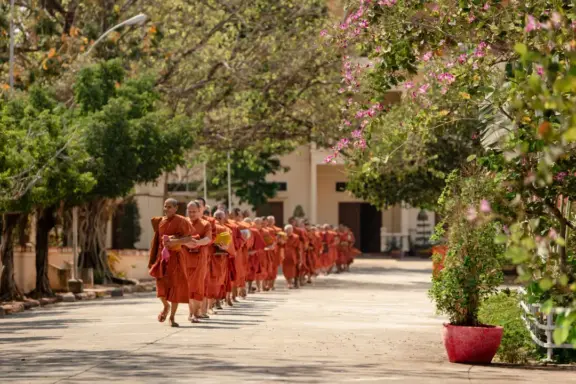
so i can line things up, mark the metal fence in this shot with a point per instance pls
(541, 326)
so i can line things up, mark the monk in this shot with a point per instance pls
(302, 247)
(353, 252)
(277, 253)
(171, 286)
(342, 259)
(291, 256)
(220, 262)
(194, 251)
(206, 212)
(305, 270)
(255, 255)
(264, 256)
(238, 280)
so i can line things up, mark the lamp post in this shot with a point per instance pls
(229, 184)
(136, 20)
(75, 285)
(205, 183)
(11, 70)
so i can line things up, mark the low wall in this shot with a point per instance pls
(132, 263)
(25, 266)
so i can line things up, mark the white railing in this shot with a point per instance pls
(388, 239)
(540, 324)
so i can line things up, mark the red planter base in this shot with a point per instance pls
(472, 345)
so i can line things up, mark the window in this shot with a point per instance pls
(282, 186)
(341, 187)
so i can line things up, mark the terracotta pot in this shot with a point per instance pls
(473, 345)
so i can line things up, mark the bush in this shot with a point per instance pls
(503, 309)
(472, 267)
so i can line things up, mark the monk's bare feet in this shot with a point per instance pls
(194, 319)
(162, 316)
(173, 323)
(218, 305)
(229, 302)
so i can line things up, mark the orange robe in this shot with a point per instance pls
(291, 251)
(195, 260)
(235, 266)
(318, 247)
(277, 254)
(241, 260)
(170, 277)
(343, 249)
(301, 233)
(265, 256)
(333, 247)
(218, 266)
(258, 245)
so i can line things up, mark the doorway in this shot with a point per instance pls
(272, 208)
(365, 221)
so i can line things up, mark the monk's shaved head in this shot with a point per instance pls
(220, 215)
(172, 202)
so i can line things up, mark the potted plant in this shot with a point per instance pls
(471, 268)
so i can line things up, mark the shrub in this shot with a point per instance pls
(472, 267)
(503, 309)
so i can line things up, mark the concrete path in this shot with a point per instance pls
(375, 324)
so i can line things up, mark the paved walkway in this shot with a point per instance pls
(373, 325)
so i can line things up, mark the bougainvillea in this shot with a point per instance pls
(497, 80)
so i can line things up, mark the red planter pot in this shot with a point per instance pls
(473, 345)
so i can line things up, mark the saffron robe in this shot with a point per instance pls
(170, 277)
(291, 251)
(196, 260)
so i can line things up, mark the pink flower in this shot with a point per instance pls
(462, 58)
(553, 234)
(444, 90)
(323, 33)
(427, 56)
(341, 90)
(408, 85)
(486, 6)
(540, 70)
(348, 123)
(387, 3)
(556, 19)
(424, 88)
(472, 214)
(531, 24)
(471, 18)
(378, 49)
(361, 144)
(485, 206)
(357, 134)
(364, 123)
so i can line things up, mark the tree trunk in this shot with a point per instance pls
(44, 224)
(93, 220)
(23, 235)
(9, 291)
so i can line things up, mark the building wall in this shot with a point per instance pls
(150, 199)
(328, 198)
(297, 180)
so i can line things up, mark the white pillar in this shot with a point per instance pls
(313, 191)
(405, 226)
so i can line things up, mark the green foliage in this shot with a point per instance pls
(129, 139)
(503, 309)
(472, 267)
(299, 212)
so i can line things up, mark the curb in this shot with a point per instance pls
(11, 308)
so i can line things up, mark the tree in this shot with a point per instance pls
(130, 140)
(38, 153)
(506, 65)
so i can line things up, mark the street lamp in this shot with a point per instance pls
(136, 20)
(229, 184)
(11, 70)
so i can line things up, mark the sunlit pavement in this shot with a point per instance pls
(375, 324)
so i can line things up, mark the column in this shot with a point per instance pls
(405, 226)
(313, 191)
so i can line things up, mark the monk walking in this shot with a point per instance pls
(165, 264)
(291, 256)
(222, 261)
(277, 253)
(194, 251)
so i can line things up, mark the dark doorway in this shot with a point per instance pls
(365, 221)
(274, 208)
(182, 209)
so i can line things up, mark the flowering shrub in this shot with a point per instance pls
(497, 81)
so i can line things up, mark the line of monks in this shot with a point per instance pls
(204, 260)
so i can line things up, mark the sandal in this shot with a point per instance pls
(163, 315)
(174, 324)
